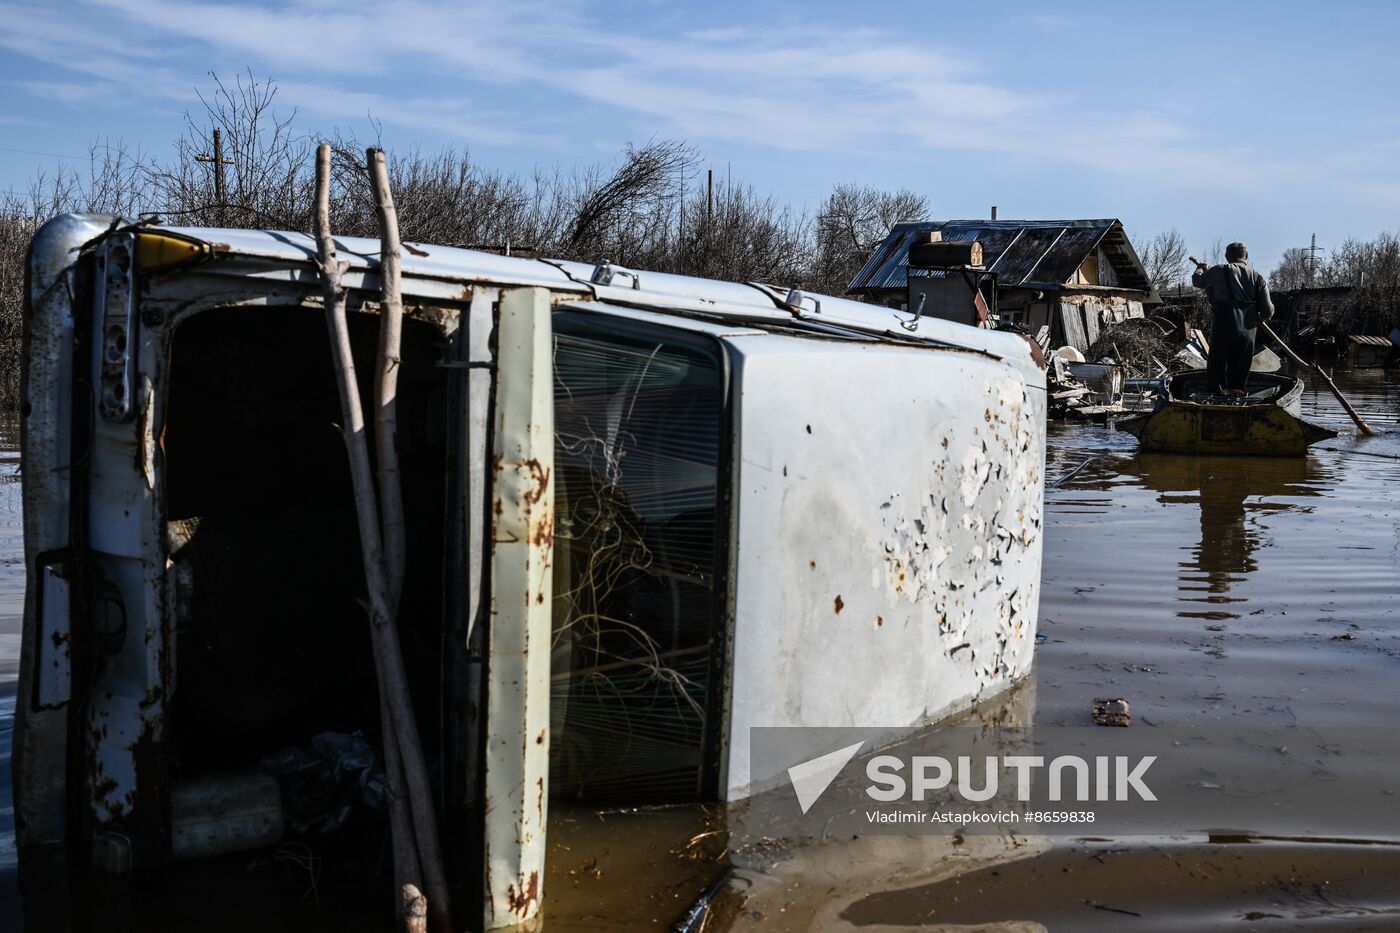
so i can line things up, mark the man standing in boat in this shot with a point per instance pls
(1239, 300)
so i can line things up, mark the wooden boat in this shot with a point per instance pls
(1192, 418)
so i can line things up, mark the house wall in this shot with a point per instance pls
(1097, 269)
(1080, 319)
(1074, 320)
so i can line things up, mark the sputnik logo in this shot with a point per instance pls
(810, 779)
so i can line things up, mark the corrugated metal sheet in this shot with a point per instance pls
(1023, 253)
(1369, 340)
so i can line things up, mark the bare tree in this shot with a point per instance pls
(1293, 271)
(852, 222)
(1164, 258)
(267, 182)
(743, 236)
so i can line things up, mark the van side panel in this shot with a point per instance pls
(888, 525)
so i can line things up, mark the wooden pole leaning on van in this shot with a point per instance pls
(391, 511)
(1362, 426)
(408, 867)
(408, 781)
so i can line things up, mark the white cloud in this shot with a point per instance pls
(446, 67)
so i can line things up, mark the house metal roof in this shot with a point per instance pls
(1022, 253)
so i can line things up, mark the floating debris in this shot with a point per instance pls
(1111, 712)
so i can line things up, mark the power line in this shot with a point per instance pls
(56, 155)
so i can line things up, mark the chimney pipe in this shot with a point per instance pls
(994, 212)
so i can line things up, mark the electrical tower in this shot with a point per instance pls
(1312, 260)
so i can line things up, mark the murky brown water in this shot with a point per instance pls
(1239, 591)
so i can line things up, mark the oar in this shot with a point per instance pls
(1363, 426)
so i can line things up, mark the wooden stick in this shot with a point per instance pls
(391, 511)
(407, 865)
(408, 871)
(1362, 426)
(414, 910)
(391, 515)
(393, 681)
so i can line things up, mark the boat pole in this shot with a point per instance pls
(1361, 425)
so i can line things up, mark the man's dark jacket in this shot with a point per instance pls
(1239, 300)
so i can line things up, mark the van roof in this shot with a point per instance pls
(751, 304)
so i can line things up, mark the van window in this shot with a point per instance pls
(637, 574)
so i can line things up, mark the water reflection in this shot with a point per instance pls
(1231, 492)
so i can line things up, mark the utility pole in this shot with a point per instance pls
(709, 198)
(219, 162)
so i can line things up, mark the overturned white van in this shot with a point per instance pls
(748, 506)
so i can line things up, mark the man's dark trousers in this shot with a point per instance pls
(1231, 352)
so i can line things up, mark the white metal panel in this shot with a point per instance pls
(54, 668)
(431, 261)
(480, 319)
(887, 536)
(756, 302)
(522, 543)
(666, 289)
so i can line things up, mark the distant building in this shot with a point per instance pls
(1368, 350)
(1305, 313)
(1071, 276)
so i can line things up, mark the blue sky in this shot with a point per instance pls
(1264, 122)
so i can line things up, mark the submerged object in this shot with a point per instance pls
(1190, 418)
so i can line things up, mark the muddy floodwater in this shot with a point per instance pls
(1234, 591)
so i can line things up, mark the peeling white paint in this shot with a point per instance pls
(940, 492)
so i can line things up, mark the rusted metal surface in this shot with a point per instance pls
(518, 642)
(126, 535)
(41, 742)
